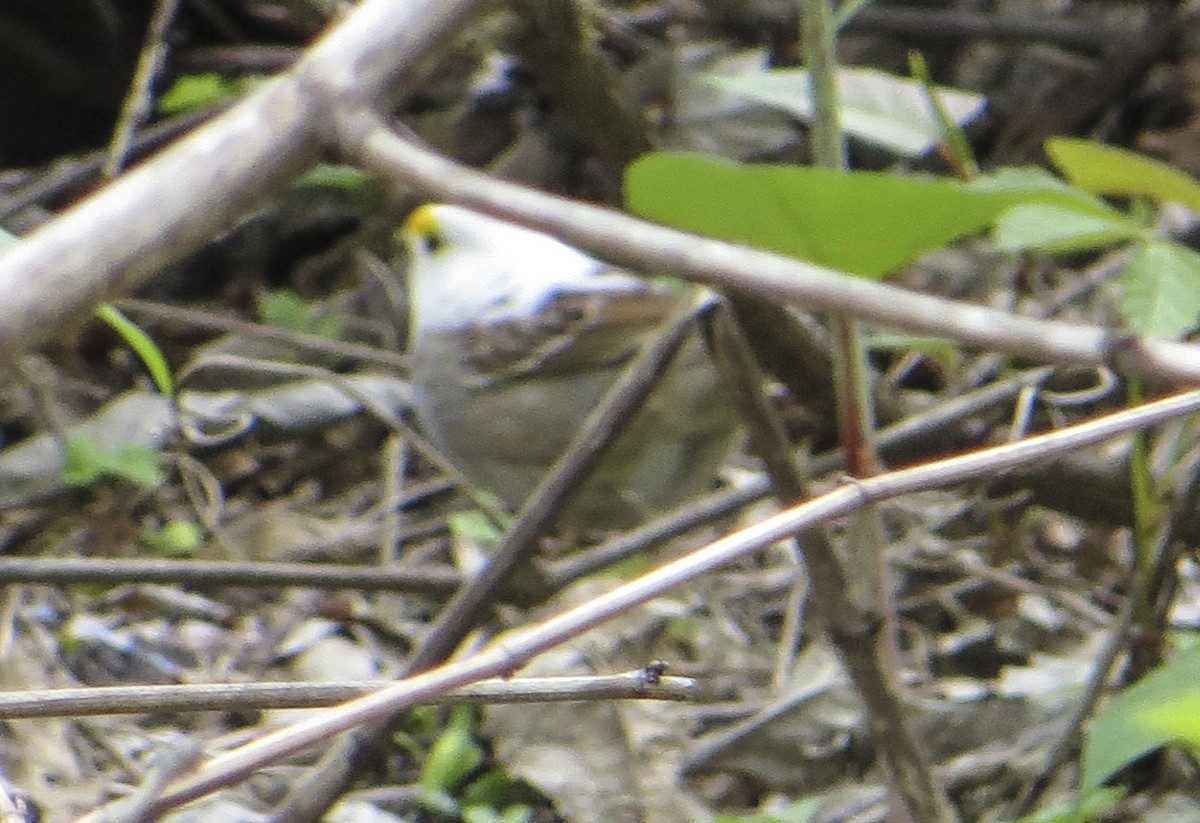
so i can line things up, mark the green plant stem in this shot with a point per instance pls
(1147, 505)
(851, 379)
(829, 146)
(1141, 488)
(915, 794)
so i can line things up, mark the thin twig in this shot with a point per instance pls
(744, 384)
(64, 571)
(137, 100)
(227, 697)
(259, 331)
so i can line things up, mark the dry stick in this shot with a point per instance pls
(514, 649)
(643, 246)
(259, 331)
(948, 24)
(1164, 577)
(169, 762)
(227, 697)
(60, 571)
(855, 627)
(744, 383)
(106, 245)
(137, 101)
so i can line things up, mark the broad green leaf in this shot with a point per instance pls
(878, 107)
(1118, 734)
(1029, 180)
(1178, 718)
(86, 461)
(1160, 289)
(1110, 170)
(1058, 229)
(145, 348)
(865, 223)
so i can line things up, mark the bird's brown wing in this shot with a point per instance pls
(576, 331)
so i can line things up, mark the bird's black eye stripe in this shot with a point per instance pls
(432, 242)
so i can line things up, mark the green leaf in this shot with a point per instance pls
(440, 802)
(287, 310)
(474, 526)
(175, 538)
(145, 348)
(865, 223)
(1160, 289)
(337, 176)
(83, 462)
(875, 106)
(1058, 229)
(1110, 170)
(454, 755)
(1119, 733)
(1178, 718)
(86, 462)
(490, 789)
(517, 813)
(1024, 185)
(197, 91)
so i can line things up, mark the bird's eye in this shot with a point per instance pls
(432, 242)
